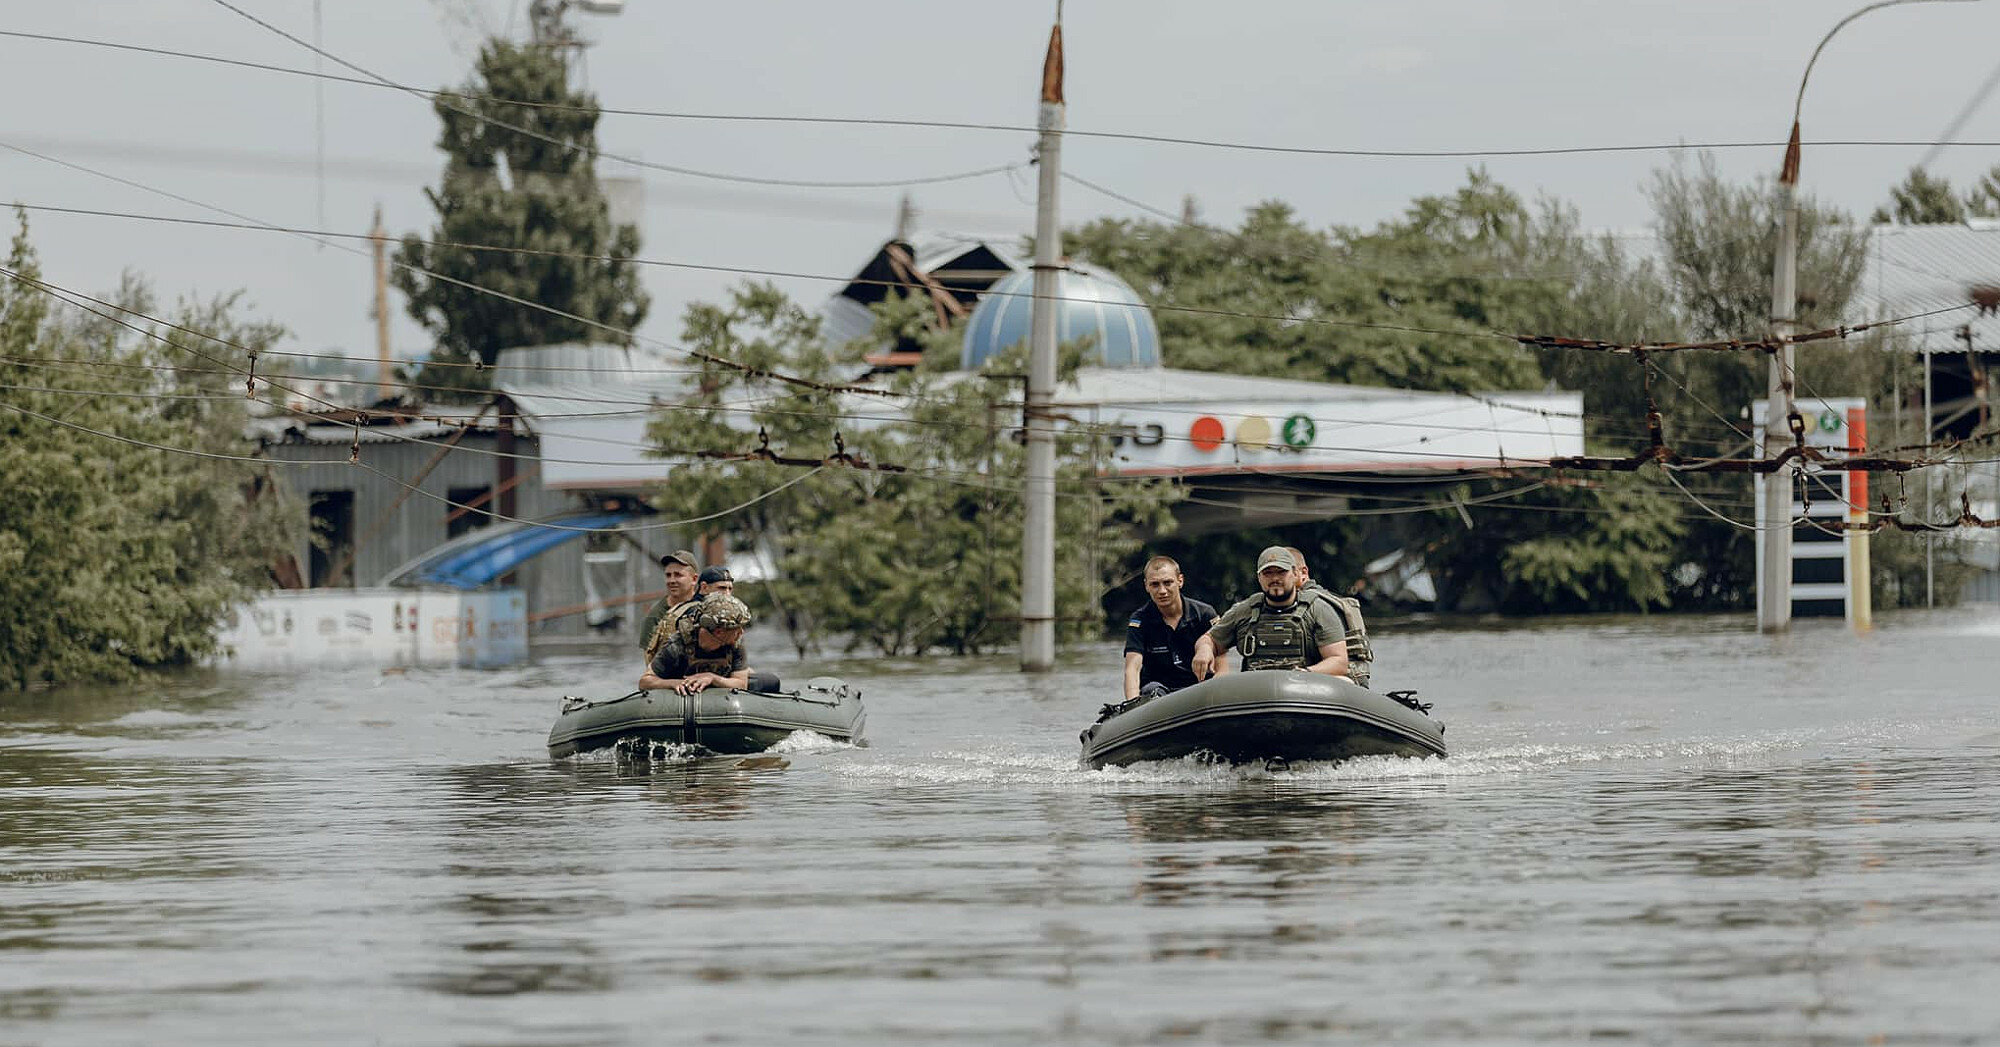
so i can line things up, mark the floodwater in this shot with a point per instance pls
(1661, 831)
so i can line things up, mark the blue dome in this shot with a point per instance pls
(1093, 303)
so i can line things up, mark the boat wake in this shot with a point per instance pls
(636, 749)
(1015, 765)
(811, 742)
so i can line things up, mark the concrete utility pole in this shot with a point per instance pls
(1038, 495)
(385, 377)
(1774, 513)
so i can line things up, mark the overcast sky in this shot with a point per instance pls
(1408, 75)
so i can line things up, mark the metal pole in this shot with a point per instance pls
(1774, 517)
(1930, 433)
(1038, 495)
(1774, 588)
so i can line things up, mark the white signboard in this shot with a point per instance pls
(301, 628)
(1825, 563)
(1443, 433)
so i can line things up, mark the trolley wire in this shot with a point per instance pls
(1538, 341)
(1000, 126)
(619, 333)
(443, 100)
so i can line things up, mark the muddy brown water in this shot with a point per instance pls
(1666, 830)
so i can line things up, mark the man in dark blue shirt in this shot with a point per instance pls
(1160, 638)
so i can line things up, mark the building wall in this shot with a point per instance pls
(403, 531)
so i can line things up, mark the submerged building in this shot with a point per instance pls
(550, 489)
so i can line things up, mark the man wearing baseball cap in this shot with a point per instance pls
(715, 578)
(705, 650)
(678, 567)
(1275, 629)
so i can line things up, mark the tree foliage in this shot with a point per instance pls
(117, 557)
(1274, 265)
(902, 562)
(1717, 241)
(1922, 199)
(1926, 199)
(1467, 264)
(507, 189)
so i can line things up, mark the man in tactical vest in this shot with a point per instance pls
(678, 569)
(705, 650)
(1360, 653)
(1277, 630)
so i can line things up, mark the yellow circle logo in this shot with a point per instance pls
(1253, 433)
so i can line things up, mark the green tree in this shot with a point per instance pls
(1922, 199)
(1983, 199)
(1717, 241)
(1326, 288)
(903, 562)
(505, 189)
(1456, 268)
(117, 557)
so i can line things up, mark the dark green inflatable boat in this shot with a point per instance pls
(721, 721)
(1265, 715)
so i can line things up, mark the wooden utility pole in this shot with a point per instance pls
(385, 379)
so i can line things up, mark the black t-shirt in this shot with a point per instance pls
(1165, 654)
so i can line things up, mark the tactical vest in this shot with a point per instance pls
(670, 624)
(1279, 639)
(682, 648)
(718, 663)
(1360, 653)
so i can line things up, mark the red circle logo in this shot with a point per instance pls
(1206, 433)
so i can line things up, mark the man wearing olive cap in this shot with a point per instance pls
(678, 567)
(1275, 629)
(706, 650)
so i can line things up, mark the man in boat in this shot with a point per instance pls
(678, 567)
(1160, 638)
(705, 650)
(715, 578)
(1276, 629)
(1360, 653)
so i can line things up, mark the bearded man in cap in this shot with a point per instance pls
(1275, 629)
(705, 649)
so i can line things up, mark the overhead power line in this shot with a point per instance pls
(331, 239)
(443, 99)
(1535, 341)
(1658, 454)
(1469, 153)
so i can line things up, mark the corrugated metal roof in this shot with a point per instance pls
(1919, 268)
(1909, 269)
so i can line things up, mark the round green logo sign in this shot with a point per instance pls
(1829, 422)
(1298, 431)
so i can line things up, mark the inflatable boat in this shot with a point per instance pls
(719, 720)
(1271, 714)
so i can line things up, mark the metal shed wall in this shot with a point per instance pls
(552, 581)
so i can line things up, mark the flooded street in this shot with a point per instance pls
(1664, 830)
